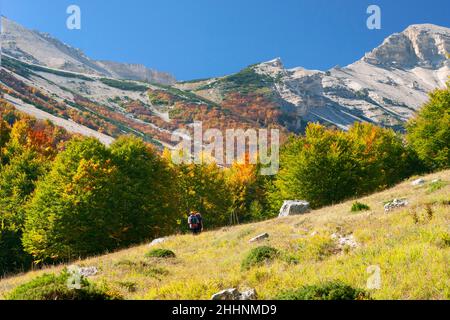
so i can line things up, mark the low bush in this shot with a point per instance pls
(130, 286)
(436, 185)
(335, 290)
(160, 253)
(55, 287)
(259, 256)
(358, 206)
(443, 240)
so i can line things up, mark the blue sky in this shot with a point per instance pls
(204, 38)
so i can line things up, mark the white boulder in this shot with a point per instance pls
(88, 271)
(158, 241)
(234, 294)
(260, 237)
(294, 207)
(418, 182)
(345, 241)
(394, 204)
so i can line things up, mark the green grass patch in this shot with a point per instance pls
(130, 286)
(56, 287)
(358, 207)
(124, 85)
(334, 290)
(160, 253)
(258, 256)
(436, 185)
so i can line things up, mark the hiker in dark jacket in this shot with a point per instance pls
(195, 222)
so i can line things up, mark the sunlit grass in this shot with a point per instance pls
(410, 245)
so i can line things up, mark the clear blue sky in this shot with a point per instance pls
(203, 38)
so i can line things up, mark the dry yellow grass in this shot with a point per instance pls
(411, 246)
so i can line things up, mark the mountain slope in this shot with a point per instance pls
(42, 49)
(410, 246)
(385, 87)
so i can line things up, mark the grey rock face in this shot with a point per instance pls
(294, 207)
(394, 204)
(419, 45)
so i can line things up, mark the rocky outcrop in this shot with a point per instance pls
(395, 204)
(294, 207)
(260, 237)
(345, 241)
(88, 271)
(234, 294)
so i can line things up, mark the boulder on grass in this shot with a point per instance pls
(418, 182)
(394, 204)
(157, 241)
(260, 237)
(294, 207)
(234, 294)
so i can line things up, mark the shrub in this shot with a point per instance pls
(429, 133)
(130, 286)
(259, 256)
(335, 290)
(160, 253)
(444, 240)
(54, 287)
(358, 206)
(317, 248)
(124, 85)
(436, 185)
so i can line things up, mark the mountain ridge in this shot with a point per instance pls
(25, 45)
(385, 87)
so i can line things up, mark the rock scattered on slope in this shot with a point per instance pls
(158, 241)
(260, 237)
(418, 182)
(234, 294)
(394, 204)
(88, 271)
(294, 207)
(345, 241)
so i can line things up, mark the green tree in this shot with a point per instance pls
(5, 130)
(429, 131)
(17, 182)
(327, 166)
(381, 156)
(145, 196)
(96, 199)
(70, 214)
(318, 167)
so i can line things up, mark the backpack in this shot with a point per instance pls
(193, 221)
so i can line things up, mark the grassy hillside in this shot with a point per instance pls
(411, 245)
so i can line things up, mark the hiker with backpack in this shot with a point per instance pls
(195, 222)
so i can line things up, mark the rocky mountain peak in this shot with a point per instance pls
(43, 49)
(420, 45)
